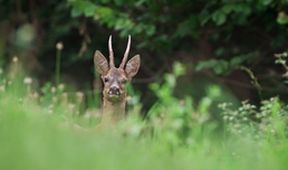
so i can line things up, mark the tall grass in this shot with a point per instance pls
(47, 131)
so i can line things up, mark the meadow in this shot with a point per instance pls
(51, 128)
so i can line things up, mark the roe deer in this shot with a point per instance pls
(114, 80)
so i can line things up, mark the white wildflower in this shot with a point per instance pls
(61, 87)
(15, 59)
(59, 46)
(28, 80)
(53, 90)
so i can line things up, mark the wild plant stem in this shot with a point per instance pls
(58, 65)
(254, 80)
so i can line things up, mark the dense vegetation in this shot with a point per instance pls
(47, 131)
(211, 92)
(216, 39)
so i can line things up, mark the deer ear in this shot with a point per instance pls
(101, 64)
(132, 66)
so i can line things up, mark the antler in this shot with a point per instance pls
(111, 53)
(124, 60)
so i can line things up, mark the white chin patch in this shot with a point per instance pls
(114, 98)
(114, 94)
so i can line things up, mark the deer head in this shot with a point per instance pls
(114, 78)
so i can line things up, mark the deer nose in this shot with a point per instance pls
(114, 90)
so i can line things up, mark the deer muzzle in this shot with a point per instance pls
(114, 91)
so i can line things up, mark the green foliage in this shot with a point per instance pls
(270, 120)
(44, 132)
(180, 121)
(110, 17)
(282, 18)
(145, 19)
(282, 60)
(220, 66)
(230, 33)
(239, 10)
(56, 127)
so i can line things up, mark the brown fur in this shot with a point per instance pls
(114, 80)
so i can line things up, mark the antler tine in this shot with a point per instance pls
(111, 53)
(126, 53)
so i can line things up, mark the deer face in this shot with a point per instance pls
(114, 85)
(114, 79)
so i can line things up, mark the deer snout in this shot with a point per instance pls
(114, 90)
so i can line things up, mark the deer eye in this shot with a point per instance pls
(106, 79)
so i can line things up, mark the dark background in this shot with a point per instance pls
(217, 41)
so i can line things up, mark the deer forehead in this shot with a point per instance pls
(116, 73)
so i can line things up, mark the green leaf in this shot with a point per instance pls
(89, 10)
(219, 17)
(218, 66)
(236, 61)
(266, 2)
(119, 2)
(205, 64)
(179, 69)
(150, 30)
(282, 18)
(170, 80)
(75, 12)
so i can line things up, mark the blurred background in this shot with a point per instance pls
(230, 43)
(211, 90)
